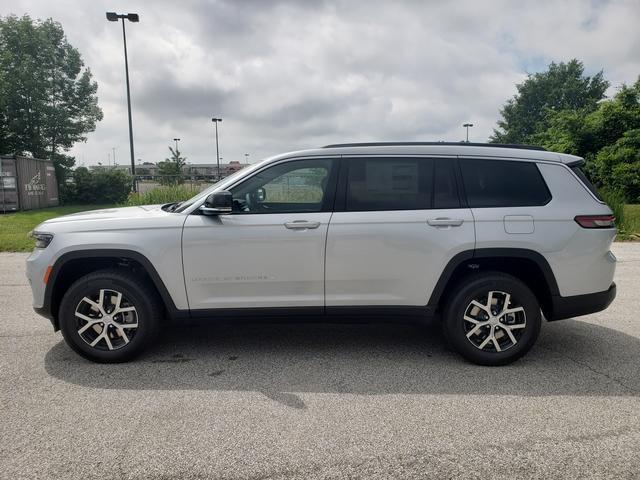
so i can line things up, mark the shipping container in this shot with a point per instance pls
(27, 183)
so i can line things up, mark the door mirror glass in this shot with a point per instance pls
(217, 203)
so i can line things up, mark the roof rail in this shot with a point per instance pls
(457, 144)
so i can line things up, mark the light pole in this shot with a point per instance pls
(467, 125)
(176, 140)
(132, 17)
(216, 120)
(246, 159)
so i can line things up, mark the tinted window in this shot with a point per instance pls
(578, 171)
(499, 183)
(445, 190)
(296, 186)
(389, 184)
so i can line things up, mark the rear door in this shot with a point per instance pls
(398, 221)
(508, 199)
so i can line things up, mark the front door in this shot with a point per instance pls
(270, 251)
(401, 222)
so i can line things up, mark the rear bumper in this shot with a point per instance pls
(577, 305)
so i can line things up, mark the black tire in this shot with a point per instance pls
(136, 293)
(523, 325)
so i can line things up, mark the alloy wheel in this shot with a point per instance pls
(106, 320)
(494, 322)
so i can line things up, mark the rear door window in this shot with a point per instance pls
(389, 184)
(502, 183)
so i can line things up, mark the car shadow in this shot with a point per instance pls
(280, 360)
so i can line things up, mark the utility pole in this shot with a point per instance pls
(467, 125)
(216, 120)
(132, 17)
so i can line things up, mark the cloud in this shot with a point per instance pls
(289, 75)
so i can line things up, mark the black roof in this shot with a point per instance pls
(457, 144)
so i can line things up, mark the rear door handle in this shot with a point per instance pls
(445, 222)
(301, 225)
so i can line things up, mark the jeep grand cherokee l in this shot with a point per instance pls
(488, 238)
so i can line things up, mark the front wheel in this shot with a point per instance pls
(493, 319)
(109, 316)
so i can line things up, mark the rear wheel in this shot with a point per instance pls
(109, 316)
(493, 319)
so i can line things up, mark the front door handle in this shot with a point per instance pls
(301, 225)
(445, 222)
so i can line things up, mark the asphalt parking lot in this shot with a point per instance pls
(322, 401)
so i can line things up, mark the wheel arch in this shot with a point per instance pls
(527, 265)
(73, 265)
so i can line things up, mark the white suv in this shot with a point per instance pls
(486, 237)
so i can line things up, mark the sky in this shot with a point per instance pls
(289, 75)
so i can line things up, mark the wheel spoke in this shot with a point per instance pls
(97, 339)
(123, 335)
(107, 339)
(125, 309)
(513, 310)
(85, 317)
(471, 320)
(127, 325)
(486, 341)
(496, 344)
(473, 331)
(101, 300)
(515, 327)
(480, 306)
(490, 300)
(87, 326)
(93, 304)
(116, 304)
(507, 300)
(511, 337)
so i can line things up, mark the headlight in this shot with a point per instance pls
(42, 239)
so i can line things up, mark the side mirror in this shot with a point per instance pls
(261, 194)
(218, 203)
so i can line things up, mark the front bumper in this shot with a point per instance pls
(577, 305)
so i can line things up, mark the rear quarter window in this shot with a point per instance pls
(503, 183)
(583, 178)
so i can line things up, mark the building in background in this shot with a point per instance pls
(195, 171)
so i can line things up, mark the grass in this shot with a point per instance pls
(14, 227)
(163, 194)
(631, 227)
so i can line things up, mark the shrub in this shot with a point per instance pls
(616, 201)
(158, 195)
(100, 186)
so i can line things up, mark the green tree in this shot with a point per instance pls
(606, 137)
(562, 87)
(171, 169)
(617, 166)
(48, 99)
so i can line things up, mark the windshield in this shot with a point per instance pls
(182, 206)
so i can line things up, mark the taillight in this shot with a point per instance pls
(596, 221)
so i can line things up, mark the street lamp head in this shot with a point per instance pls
(176, 139)
(468, 125)
(112, 16)
(133, 17)
(216, 119)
